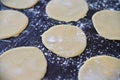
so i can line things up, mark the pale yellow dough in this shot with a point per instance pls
(22, 63)
(19, 4)
(107, 24)
(65, 40)
(67, 10)
(12, 23)
(100, 68)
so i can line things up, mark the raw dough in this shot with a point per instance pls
(19, 4)
(23, 63)
(65, 40)
(12, 23)
(67, 10)
(100, 68)
(107, 24)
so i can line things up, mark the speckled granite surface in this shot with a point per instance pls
(61, 68)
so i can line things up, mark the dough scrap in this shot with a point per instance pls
(107, 24)
(100, 68)
(67, 10)
(12, 23)
(19, 4)
(65, 40)
(22, 63)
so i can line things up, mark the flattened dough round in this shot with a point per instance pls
(107, 24)
(23, 63)
(100, 68)
(65, 40)
(12, 23)
(67, 10)
(19, 4)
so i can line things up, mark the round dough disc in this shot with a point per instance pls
(107, 24)
(67, 10)
(65, 40)
(100, 68)
(19, 4)
(12, 23)
(23, 63)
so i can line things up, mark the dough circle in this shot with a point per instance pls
(19, 4)
(65, 40)
(100, 68)
(12, 23)
(67, 10)
(107, 24)
(22, 63)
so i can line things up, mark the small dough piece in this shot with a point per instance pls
(12, 23)
(19, 4)
(22, 63)
(67, 10)
(65, 40)
(100, 68)
(107, 24)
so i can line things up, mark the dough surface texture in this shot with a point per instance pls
(67, 10)
(65, 40)
(100, 68)
(107, 24)
(12, 23)
(19, 4)
(22, 63)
